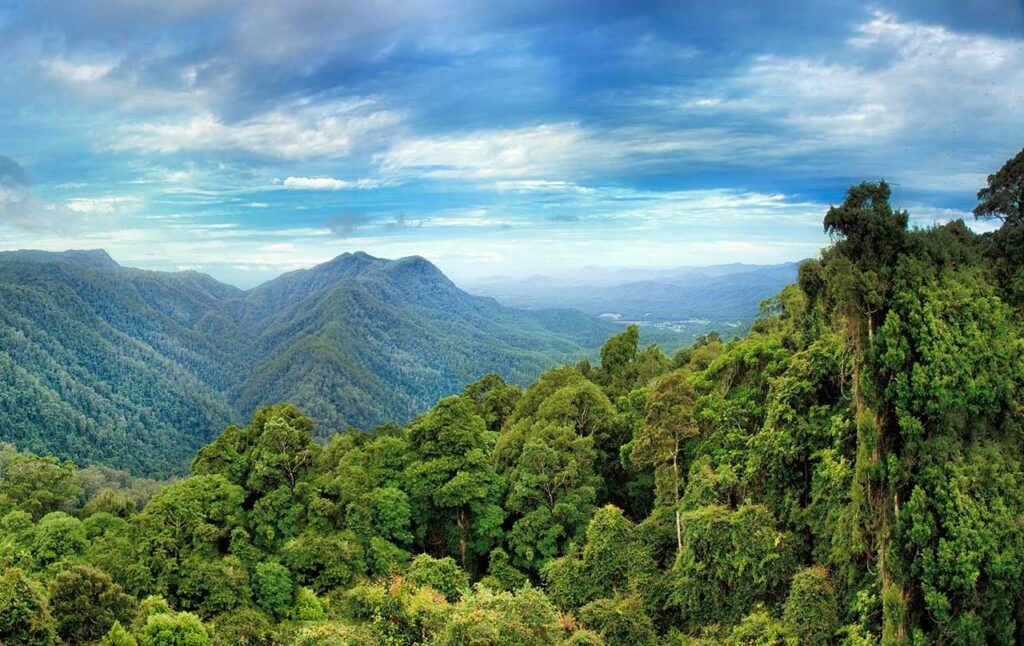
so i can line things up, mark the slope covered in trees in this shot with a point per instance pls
(138, 369)
(850, 472)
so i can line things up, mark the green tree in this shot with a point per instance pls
(118, 636)
(283, 452)
(660, 442)
(494, 399)
(442, 575)
(453, 488)
(243, 627)
(324, 561)
(521, 618)
(175, 629)
(37, 485)
(86, 603)
(622, 620)
(730, 561)
(57, 537)
(1003, 199)
(759, 628)
(613, 559)
(24, 616)
(552, 489)
(811, 611)
(273, 588)
(618, 357)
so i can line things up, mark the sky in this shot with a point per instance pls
(244, 139)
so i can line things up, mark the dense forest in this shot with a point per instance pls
(139, 369)
(848, 472)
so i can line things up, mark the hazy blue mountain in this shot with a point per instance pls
(137, 369)
(721, 294)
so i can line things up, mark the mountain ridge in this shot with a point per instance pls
(145, 366)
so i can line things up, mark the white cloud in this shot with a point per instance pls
(77, 72)
(22, 209)
(541, 186)
(898, 91)
(535, 152)
(330, 184)
(102, 205)
(298, 131)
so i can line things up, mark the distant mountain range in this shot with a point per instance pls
(716, 295)
(137, 369)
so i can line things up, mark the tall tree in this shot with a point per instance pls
(451, 483)
(1003, 199)
(660, 443)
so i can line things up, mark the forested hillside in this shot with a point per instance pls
(138, 369)
(849, 472)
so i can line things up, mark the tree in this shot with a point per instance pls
(273, 588)
(243, 627)
(811, 611)
(86, 603)
(325, 560)
(1003, 198)
(56, 537)
(212, 586)
(451, 484)
(175, 629)
(621, 620)
(24, 616)
(37, 485)
(613, 560)
(494, 399)
(442, 575)
(282, 454)
(618, 355)
(486, 618)
(730, 561)
(759, 628)
(552, 488)
(118, 636)
(669, 424)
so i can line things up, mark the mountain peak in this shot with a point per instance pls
(416, 268)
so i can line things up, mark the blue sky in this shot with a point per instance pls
(249, 138)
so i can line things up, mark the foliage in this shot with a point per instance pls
(174, 629)
(86, 604)
(24, 614)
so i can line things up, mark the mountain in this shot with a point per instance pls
(137, 369)
(720, 294)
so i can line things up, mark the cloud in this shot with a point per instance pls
(541, 186)
(301, 130)
(345, 225)
(76, 72)
(330, 184)
(534, 152)
(108, 205)
(896, 98)
(21, 208)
